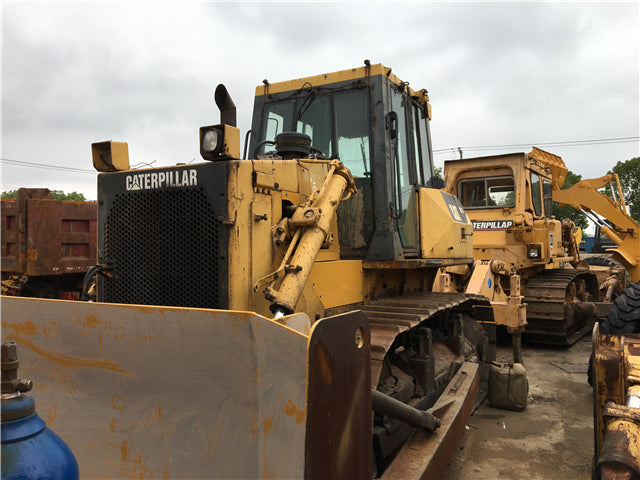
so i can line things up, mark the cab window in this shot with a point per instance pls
(547, 197)
(351, 117)
(314, 119)
(536, 194)
(337, 123)
(407, 227)
(491, 192)
(277, 119)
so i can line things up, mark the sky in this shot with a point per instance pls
(498, 74)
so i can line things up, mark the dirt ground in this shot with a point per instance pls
(551, 439)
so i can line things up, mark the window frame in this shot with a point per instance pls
(486, 205)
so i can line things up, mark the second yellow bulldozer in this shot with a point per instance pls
(527, 260)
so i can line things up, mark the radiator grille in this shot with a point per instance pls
(165, 248)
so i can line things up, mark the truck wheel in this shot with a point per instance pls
(624, 316)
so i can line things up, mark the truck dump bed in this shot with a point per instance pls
(41, 236)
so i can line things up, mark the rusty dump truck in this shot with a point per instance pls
(47, 245)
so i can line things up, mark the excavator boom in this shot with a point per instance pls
(610, 214)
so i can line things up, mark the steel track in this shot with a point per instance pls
(390, 317)
(552, 303)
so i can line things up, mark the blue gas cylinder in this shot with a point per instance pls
(30, 450)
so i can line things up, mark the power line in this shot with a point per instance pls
(46, 166)
(570, 143)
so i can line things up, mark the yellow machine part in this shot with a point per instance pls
(440, 237)
(585, 196)
(508, 309)
(554, 162)
(616, 381)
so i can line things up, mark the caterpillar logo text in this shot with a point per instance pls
(170, 178)
(492, 225)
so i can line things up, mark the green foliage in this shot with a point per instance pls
(629, 173)
(568, 211)
(55, 195)
(10, 194)
(73, 196)
(437, 172)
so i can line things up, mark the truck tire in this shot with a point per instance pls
(624, 316)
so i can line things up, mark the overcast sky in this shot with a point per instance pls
(497, 74)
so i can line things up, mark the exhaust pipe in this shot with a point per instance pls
(226, 106)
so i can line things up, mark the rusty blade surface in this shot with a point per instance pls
(426, 454)
(339, 418)
(156, 392)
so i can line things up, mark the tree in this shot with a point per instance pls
(10, 194)
(629, 173)
(73, 196)
(436, 181)
(55, 195)
(579, 218)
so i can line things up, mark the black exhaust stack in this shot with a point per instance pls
(226, 106)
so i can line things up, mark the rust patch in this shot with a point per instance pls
(291, 410)
(67, 361)
(124, 450)
(112, 425)
(267, 426)
(324, 364)
(139, 469)
(259, 375)
(32, 254)
(92, 321)
(117, 402)
(27, 328)
(159, 412)
(52, 416)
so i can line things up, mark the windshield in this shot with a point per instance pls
(337, 122)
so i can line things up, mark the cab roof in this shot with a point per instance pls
(335, 77)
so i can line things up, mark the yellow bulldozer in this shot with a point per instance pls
(527, 261)
(271, 317)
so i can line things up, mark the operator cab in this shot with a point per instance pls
(379, 128)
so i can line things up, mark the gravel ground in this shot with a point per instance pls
(551, 439)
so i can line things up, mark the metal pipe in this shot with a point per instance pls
(633, 396)
(226, 106)
(382, 403)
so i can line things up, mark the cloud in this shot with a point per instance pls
(497, 73)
